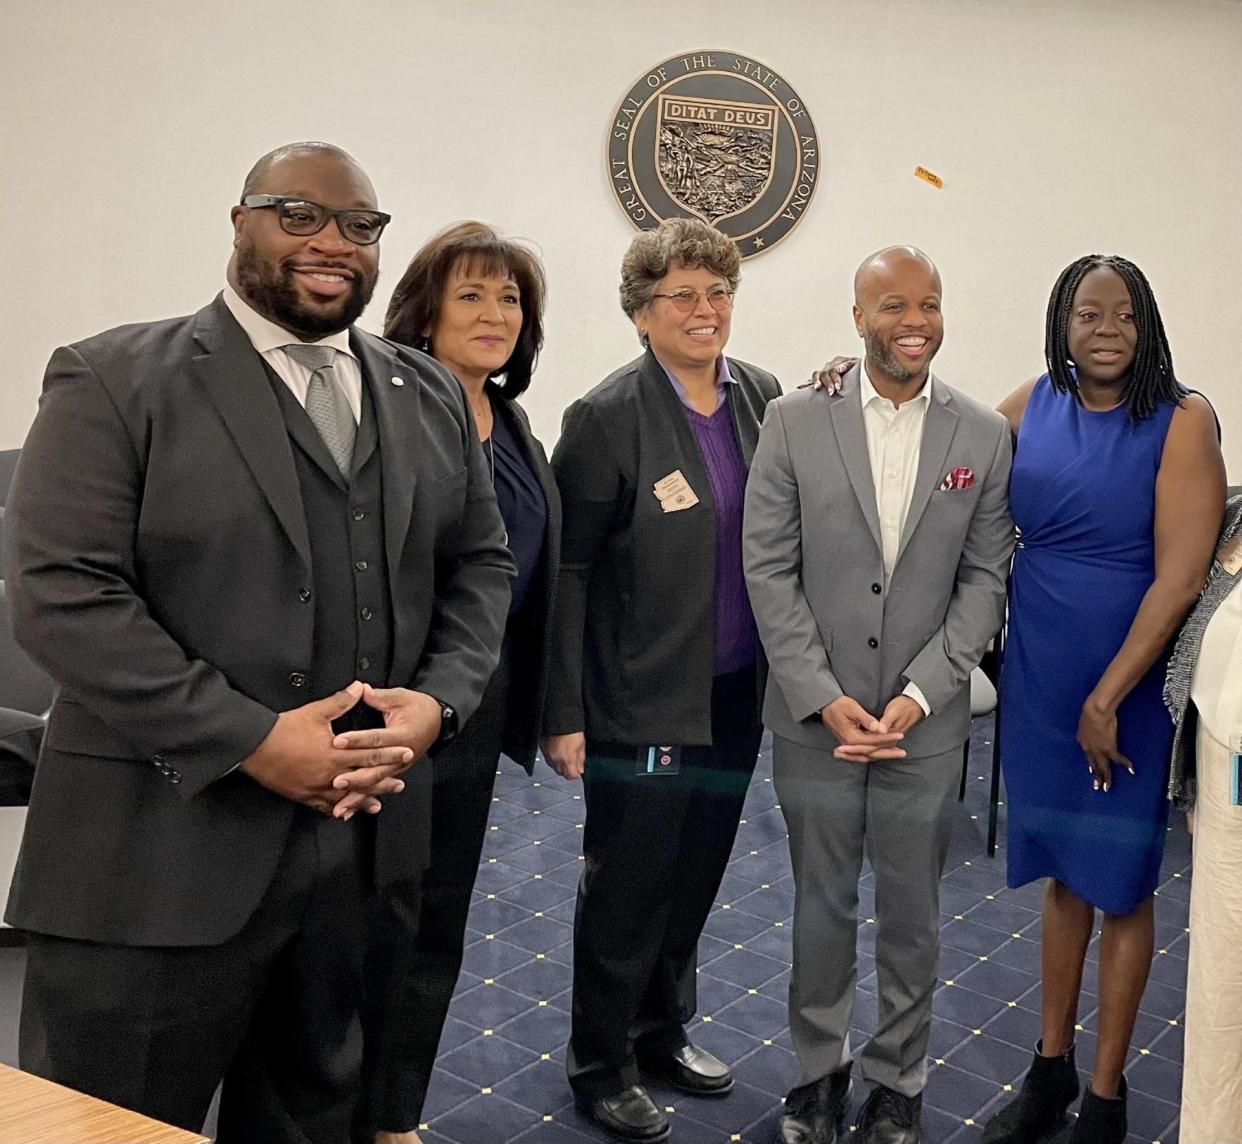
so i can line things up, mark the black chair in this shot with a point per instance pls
(25, 696)
(998, 649)
(985, 700)
(982, 702)
(8, 462)
(24, 686)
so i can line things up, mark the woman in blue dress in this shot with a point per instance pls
(1117, 491)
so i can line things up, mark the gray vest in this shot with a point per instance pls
(349, 574)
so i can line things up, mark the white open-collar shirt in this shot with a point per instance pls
(894, 442)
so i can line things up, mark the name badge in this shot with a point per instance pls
(674, 492)
(1230, 555)
(658, 760)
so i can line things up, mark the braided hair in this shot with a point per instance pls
(1150, 381)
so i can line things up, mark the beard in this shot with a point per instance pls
(879, 354)
(272, 290)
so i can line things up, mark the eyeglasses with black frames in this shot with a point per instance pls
(718, 297)
(302, 218)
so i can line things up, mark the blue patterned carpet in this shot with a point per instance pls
(501, 1075)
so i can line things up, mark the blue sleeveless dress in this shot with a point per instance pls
(1083, 497)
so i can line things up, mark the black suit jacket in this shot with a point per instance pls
(158, 558)
(634, 648)
(530, 633)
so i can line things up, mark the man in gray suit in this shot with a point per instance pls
(876, 543)
(259, 552)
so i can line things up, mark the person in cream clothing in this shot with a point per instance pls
(1203, 691)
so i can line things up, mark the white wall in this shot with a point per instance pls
(1059, 127)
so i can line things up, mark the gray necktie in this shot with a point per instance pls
(326, 404)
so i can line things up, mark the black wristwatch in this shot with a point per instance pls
(448, 724)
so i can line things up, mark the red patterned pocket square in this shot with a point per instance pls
(959, 478)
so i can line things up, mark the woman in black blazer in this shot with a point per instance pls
(656, 673)
(474, 301)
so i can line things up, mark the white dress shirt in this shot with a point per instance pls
(1216, 686)
(270, 339)
(894, 442)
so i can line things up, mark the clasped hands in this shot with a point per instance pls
(302, 760)
(863, 738)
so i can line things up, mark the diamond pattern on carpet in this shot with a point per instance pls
(500, 1076)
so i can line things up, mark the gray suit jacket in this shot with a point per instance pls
(158, 560)
(811, 545)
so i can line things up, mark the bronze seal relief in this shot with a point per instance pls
(719, 136)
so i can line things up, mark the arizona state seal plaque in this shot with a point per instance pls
(717, 136)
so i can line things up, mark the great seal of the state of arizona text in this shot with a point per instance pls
(719, 136)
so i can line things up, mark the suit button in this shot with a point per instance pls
(366, 613)
(173, 777)
(298, 679)
(359, 514)
(304, 595)
(361, 565)
(876, 589)
(158, 760)
(873, 642)
(364, 663)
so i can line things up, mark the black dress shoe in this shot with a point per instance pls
(815, 1113)
(887, 1117)
(691, 1070)
(628, 1115)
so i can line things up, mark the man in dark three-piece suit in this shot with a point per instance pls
(876, 544)
(259, 552)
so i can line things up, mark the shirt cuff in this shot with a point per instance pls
(912, 689)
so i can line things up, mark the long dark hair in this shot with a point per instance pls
(1151, 381)
(478, 249)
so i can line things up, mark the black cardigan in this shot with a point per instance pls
(634, 646)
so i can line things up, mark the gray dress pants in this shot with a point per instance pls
(897, 808)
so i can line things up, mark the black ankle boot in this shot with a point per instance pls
(1049, 1088)
(1101, 1121)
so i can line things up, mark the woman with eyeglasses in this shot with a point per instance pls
(656, 673)
(473, 300)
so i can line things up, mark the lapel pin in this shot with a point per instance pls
(397, 380)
